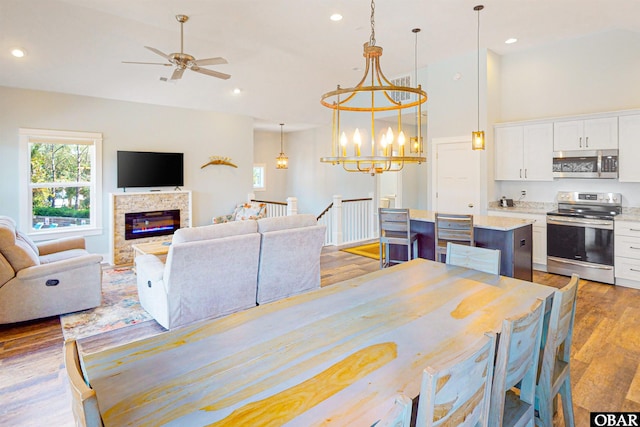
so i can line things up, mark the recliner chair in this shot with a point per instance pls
(45, 279)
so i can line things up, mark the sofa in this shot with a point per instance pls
(45, 279)
(243, 211)
(215, 270)
(210, 271)
(289, 256)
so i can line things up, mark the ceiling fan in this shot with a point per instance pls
(183, 61)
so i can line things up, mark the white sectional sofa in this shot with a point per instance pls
(215, 270)
(289, 256)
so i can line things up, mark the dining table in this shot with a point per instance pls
(338, 355)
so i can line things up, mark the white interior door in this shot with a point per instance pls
(457, 177)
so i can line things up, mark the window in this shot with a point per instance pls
(60, 183)
(259, 177)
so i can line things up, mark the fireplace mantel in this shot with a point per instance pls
(121, 203)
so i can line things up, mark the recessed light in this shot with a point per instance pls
(336, 17)
(18, 53)
(511, 40)
(237, 91)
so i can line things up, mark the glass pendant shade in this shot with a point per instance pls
(282, 161)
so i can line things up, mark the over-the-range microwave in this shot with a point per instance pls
(585, 164)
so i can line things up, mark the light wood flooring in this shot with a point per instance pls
(605, 373)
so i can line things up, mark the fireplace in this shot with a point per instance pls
(149, 224)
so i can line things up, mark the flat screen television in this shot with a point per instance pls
(150, 169)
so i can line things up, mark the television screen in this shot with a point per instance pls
(150, 169)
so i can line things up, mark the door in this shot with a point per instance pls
(537, 152)
(457, 178)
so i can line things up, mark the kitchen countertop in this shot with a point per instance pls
(535, 208)
(481, 221)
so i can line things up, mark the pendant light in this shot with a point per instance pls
(477, 137)
(282, 161)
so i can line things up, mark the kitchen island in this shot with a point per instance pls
(513, 236)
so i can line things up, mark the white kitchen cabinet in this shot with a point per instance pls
(629, 147)
(524, 152)
(588, 134)
(539, 234)
(627, 253)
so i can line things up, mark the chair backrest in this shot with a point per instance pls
(394, 222)
(399, 415)
(557, 348)
(458, 393)
(453, 228)
(84, 402)
(482, 259)
(517, 362)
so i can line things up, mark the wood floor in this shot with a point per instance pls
(605, 373)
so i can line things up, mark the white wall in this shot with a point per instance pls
(266, 148)
(133, 126)
(596, 73)
(312, 182)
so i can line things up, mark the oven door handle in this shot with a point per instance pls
(581, 264)
(585, 223)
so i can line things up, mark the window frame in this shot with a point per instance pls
(263, 167)
(92, 139)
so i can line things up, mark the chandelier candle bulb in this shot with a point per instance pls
(401, 142)
(343, 144)
(357, 141)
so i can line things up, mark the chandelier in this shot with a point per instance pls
(282, 161)
(374, 94)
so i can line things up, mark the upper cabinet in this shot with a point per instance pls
(588, 134)
(524, 152)
(629, 148)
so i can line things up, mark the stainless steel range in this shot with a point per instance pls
(580, 235)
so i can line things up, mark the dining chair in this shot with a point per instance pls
(84, 403)
(395, 229)
(399, 415)
(553, 376)
(482, 259)
(517, 363)
(457, 392)
(455, 228)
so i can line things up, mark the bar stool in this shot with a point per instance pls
(395, 229)
(454, 228)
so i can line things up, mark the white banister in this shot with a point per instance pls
(336, 220)
(292, 206)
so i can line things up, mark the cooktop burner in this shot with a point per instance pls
(588, 205)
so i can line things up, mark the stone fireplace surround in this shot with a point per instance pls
(121, 203)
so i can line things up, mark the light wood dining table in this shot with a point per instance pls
(335, 356)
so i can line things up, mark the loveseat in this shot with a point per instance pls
(289, 256)
(45, 279)
(215, 270)
(210, 271)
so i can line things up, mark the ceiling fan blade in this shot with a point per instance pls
(210, 61)
(157, 52)
(147, 63)
(211, 73)
(177, 74)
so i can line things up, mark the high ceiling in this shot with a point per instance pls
(283, 54)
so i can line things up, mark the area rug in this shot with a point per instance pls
(371, 250)
(120, 307)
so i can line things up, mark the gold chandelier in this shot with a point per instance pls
(374, 94)
(282, 161)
